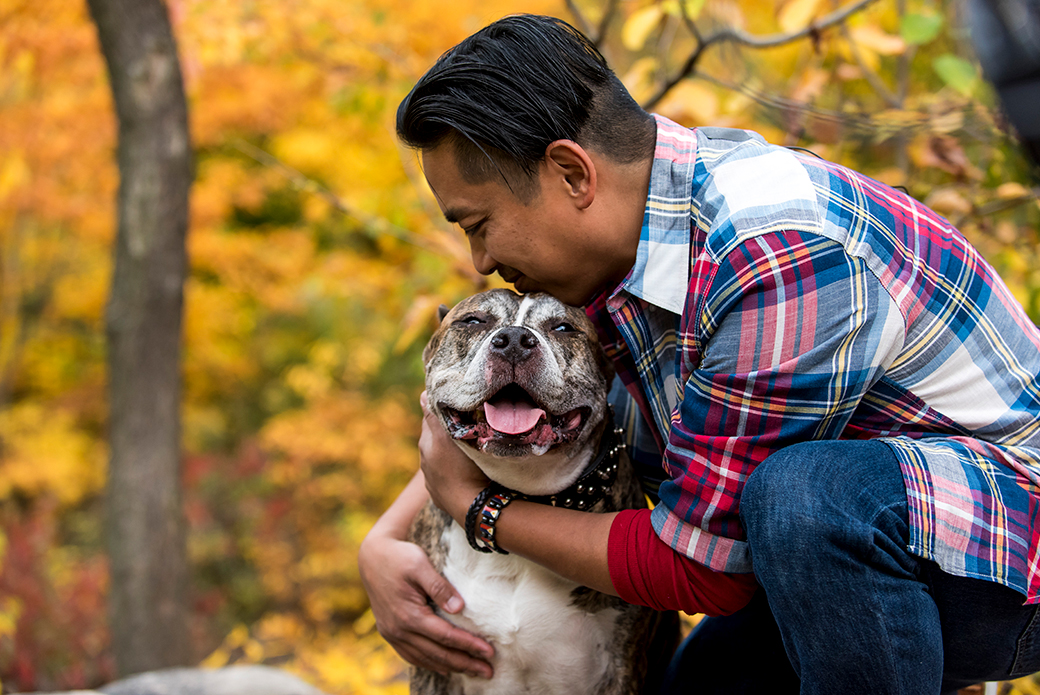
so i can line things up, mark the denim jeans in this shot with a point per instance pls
(846, 609)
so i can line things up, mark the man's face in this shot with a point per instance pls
(541, 246)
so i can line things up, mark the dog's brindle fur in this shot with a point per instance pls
(622, 647)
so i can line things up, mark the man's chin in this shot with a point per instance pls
(524, 284)
(572, 296)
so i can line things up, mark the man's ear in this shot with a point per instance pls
(570, 165)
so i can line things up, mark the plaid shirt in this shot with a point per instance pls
(778, 298)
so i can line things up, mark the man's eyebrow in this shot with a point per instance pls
(453, 215)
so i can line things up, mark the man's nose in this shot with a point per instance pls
(482, 260)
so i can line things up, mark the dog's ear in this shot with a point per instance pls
(435, 340)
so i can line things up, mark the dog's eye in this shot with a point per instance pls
(564, 327)
(470, 321)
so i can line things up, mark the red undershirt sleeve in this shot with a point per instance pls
(647, 571)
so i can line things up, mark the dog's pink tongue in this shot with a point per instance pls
(512, 417)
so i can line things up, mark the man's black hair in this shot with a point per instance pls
(503, 94)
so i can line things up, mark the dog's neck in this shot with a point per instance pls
(595, 481)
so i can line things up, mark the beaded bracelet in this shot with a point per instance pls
(475, 510)
(489, 515)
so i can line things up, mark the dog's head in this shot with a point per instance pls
(520, 383)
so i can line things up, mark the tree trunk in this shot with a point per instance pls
(145, 522)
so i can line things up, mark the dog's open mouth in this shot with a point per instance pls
(512, 416)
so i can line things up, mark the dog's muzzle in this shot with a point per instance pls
(512, 416)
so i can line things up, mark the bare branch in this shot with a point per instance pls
(893, 100)
(1001, 204)
(687, 70)
(876, 125)
(690, 25)
(604, 21)
(579, 19)
(738, 36)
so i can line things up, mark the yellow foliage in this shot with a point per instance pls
(421, 317)
(794, 15)
(306, 149)
(638, 26)
(46, 454)
(10, 610)
(1012, 190)
(691, 103)
(893, 176)
(948, 201)
(343, 428)
(349, 660)
(872, 37)
(639, 79)
(14, 173)
(1024, 686)
(81, 293)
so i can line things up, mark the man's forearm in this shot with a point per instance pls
(572, 544)
(576, 545)
(398, 517)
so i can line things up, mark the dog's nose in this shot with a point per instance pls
(514, 343)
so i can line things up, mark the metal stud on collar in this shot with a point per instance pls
(595, 483)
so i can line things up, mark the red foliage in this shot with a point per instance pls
(60, 638)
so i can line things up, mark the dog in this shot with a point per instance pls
(520, 383)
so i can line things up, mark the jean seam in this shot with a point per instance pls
(894, 508)
(877, 601)
(1025, 640)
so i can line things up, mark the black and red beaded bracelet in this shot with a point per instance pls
(482, 516)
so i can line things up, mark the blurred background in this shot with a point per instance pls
(317, 258)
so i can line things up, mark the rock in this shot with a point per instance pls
(233, 680)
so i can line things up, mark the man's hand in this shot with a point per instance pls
(400, 581)
(452, 479)
(402, 585)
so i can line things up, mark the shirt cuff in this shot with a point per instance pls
(647, 571)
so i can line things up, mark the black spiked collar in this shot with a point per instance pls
(596, 481)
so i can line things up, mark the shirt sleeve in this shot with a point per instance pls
(647, 572)
(782, 348)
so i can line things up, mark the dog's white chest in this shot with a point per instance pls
(543, 643)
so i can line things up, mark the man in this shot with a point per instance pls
(840, 395)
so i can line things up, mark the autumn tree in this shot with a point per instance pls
(146, 541)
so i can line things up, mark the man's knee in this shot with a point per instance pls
(816, 492)
(777, 504)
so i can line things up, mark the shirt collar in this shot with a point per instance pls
(660, 274)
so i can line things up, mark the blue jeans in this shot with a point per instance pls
(846, 609)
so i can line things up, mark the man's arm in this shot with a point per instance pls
(571, 543)
(400, 581)
(586, 548)
(396, 520)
